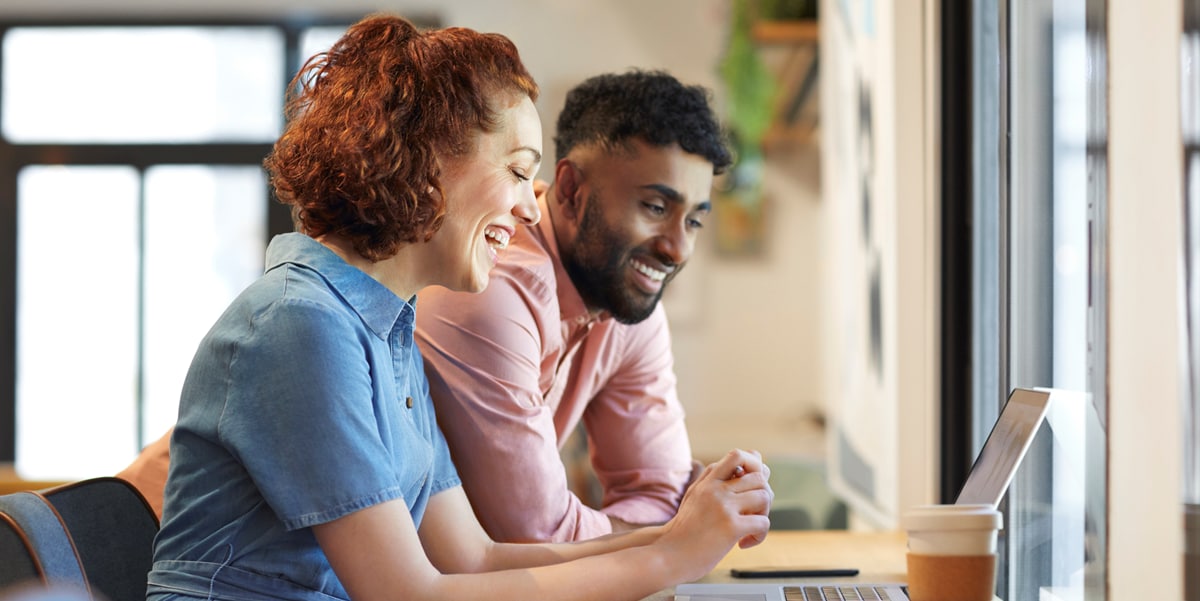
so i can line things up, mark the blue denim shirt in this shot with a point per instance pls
(296, 411)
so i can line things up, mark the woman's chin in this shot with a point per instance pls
(478, 283)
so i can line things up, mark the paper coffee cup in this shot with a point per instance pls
(952, 552)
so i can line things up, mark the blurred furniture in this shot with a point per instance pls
(94, 535)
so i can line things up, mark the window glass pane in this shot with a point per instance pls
(1069, 181)
(142, 84)
(1190, 122)
(1056, 504)
(77, 320)
(987, 224)
(1191, 403)
(205, 240)
(317, 39)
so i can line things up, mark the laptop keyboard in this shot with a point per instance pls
(834, 593)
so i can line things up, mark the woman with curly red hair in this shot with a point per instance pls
(307, 462)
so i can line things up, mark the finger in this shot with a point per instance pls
(757, 501)
(751, 461)
(727, 466)
(754, 461)
(752, 540)
(745, 461)
(704, 473)
(692, 485)
(756, 529)
(754, 500)
(749, 481)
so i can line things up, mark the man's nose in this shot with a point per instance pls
(676, 242)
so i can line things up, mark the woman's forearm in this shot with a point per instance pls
(504, 556)
(629, 573)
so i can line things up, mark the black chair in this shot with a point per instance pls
(94, 535)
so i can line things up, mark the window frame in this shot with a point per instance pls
(140, 156)
(1010, 285)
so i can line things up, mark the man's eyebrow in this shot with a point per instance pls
(674, 196)
(666, 191)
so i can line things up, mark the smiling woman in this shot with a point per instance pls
(307, 462)
(485, 183)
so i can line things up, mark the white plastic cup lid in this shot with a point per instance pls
(952, 529)
(953, 517)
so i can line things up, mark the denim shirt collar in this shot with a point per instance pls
(378, 307)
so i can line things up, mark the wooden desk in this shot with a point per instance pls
(10, 482)
(879, 556)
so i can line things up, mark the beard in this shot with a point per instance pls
(599, 263)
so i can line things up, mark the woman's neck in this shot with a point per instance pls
(390, 272)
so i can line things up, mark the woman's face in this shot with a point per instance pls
(489, 192)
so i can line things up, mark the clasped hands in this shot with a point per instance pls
(726, 503)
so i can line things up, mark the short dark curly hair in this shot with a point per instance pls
(614, 108)
(368, 119)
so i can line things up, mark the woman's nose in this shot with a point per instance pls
(526, 210)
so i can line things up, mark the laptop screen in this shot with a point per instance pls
(1005, 447)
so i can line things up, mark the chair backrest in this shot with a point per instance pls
(96, 535)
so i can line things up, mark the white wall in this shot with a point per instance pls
(746, 334)
(880, 62)
(1145, 203)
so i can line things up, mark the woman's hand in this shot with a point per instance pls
(727, 504)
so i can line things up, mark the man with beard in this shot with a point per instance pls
(570, 327)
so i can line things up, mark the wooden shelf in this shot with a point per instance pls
(793, 44)
(801, 31)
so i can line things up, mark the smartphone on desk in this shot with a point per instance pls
(792, 572)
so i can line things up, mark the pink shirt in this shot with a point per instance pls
(512, 371)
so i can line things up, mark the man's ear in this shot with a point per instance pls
(568, 179)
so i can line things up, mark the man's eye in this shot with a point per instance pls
(695, 224)
(653, 208)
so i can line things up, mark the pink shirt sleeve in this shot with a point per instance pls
(485, 359)
(635, 424)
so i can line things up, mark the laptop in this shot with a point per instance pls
(986, 483)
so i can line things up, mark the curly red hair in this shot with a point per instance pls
(368, 120)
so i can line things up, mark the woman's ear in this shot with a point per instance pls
(567, 182)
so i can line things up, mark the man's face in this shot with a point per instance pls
(637, 226)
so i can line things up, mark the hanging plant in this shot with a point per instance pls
(749, 87)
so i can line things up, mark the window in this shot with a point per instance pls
(1037, 278)
(133, 208)
(1190, 121)
(169, 85)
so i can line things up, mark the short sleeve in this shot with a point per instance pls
(302, 416)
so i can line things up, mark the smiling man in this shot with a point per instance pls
(571, 328)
